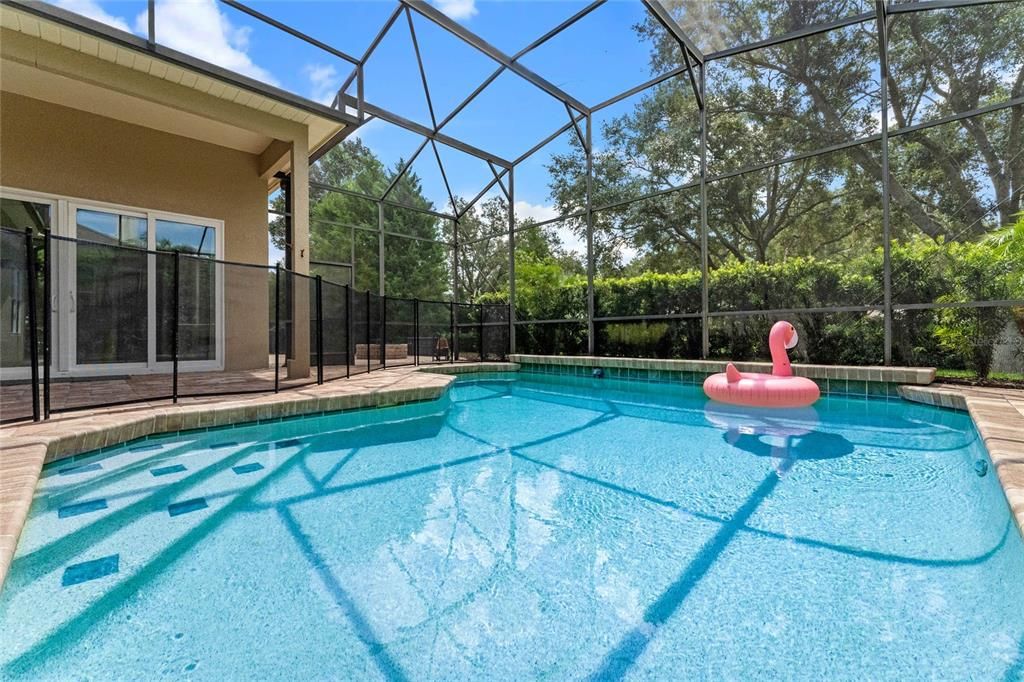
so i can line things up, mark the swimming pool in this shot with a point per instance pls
(522, 527)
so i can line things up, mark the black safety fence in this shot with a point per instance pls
(399, 331)
(494, 322)
(375, 329)
(100, 322)
(468, 331)
(435, 331)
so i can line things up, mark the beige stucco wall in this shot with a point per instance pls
(50, 148)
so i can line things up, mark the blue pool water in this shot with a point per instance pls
(528, 528)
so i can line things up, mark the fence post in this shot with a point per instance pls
(47, 323)
(384, 331)
(350, 345)
(480, 347)
(319, 330)
(174, 331)
(416, 331)
(451, 346)
(369, 366)
(277, 330)
(33, 333)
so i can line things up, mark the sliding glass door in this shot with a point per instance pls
(110, 301)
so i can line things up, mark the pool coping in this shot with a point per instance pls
(998, 415)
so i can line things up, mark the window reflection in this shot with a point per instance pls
(185, 237)
(16, 214)
(111, 228)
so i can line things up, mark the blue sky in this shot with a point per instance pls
(595, 59)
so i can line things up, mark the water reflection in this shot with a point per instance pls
(786, 436)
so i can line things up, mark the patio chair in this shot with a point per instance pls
(441, 349)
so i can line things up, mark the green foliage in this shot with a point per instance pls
(977, 272)
(955, 181)
(947, 272)
(1008, 243)
(343, 227)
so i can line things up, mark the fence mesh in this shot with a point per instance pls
(16, 349)
(468, 332)
(136, 325)
(434, 339)
(495, 332)
(113, 295)
(400, 330)
(336, 351)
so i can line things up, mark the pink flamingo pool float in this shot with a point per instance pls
(778, 389)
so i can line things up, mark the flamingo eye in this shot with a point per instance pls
(793, 339)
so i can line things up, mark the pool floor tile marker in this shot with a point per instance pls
(247, 468)
(79, 508)
(90, 570)
(146, 448)
(172, 469)
(227, 444)
(289, 443)
(186, 506)
(80, 469)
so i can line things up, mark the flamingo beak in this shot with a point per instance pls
(794, 339)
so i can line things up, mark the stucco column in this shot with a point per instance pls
(302, 292)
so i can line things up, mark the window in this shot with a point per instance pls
(110, 302)
(111, 228)
(16, 214)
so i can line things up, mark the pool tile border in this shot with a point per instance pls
(895, 375)
(832, 381)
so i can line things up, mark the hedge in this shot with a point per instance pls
(923, 271)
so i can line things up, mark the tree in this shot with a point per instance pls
(344, 228)
(802, 95)
(483, 249)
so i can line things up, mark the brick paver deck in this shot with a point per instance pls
(16, 398)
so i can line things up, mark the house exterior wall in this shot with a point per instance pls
(49, 148)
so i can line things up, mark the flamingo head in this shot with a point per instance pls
(783, 337)
(783, 334)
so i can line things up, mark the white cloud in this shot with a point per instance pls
(538, 212)
(198, 28)
(570, 241)
(457, 9)
(92, 9)
(324, 82)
